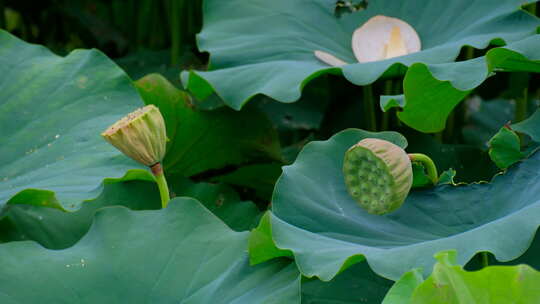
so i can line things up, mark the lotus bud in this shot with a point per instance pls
(378, 175)
(140, 135)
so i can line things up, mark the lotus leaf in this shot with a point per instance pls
(52, 111)
(268, 47)
(358, 284)
(315, 219)
(55, 229)
(181, 254)
(204, 140)
(431, 91)
(450, 284)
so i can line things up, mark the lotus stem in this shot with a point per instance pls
(2, 15)
(457, 116)
(450, 125)
(428, 164)
(177, 30)
(485, 259)
(521, 106)
(157, 170)
(398, 89)
(532, 9)
(388, 88)
(369, 108)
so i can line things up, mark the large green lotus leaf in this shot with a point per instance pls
(204, 140)
(266, 47)
(143, 62)
(505, 145)
(181, 254)
(222, 201)
(471, 163)
(432, 91)
(52, 111)
(530, 126)
(403, 289)
(260, 178)
(485, 118)
(56, 229)
(450, 284)
(505, 148)
(357, 284)
(315, 218)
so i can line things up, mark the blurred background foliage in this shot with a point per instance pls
(143, 36)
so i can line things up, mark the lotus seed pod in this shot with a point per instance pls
(140, 135)
(378, 175)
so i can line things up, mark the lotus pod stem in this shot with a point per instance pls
(142, 136)
(157, 170)
(428, 164)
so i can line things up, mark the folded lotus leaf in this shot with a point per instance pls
(314, 218)
(52, 112)
(182, 254)
(267, 47)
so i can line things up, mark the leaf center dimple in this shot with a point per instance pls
(396, 44)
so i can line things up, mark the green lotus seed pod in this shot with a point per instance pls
(382, 179)
(140, 135)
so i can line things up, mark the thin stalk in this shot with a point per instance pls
(157, 170)
(388, 88)
(450, 124)
(439, 136)
(398, 89)
(485, 259)
(369, 108)
(521, 106)
(2, 15)
(532, 9)
(469, 52)
(191, 18)
(457, 116)
(177, 31)
(428, 164)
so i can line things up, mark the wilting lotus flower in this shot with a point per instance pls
(379, 38)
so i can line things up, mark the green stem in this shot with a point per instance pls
(532, 9)
(398, 89)
(2, 15)
(177, 30)
(469, 52)
(369, 108)
(521, 106)
(439, 136)
(157, 170)
(450, 123)
(428, 164)
(485, 259)
(388, 88)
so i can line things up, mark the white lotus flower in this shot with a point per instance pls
(379, 38)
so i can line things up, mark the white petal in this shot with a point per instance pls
(378, 39)
(329, 59)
